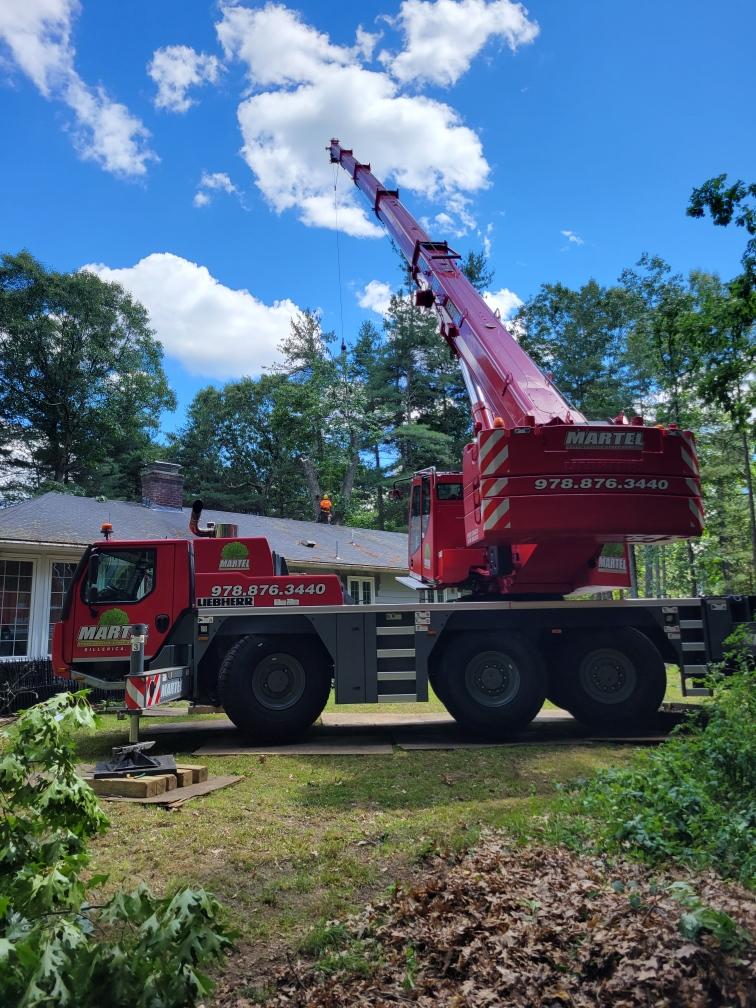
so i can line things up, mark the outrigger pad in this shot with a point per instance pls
(133, 759)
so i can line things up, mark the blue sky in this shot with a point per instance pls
(565, 138)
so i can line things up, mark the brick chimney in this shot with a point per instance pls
(162, 486)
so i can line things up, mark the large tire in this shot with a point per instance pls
(491, 683)
(273, 688)
(612, 678)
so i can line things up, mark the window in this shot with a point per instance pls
(61, 576)
(361, 590)
(15, 606)
(426, 504)
(124, 575)
(449, 491)
(414, 529)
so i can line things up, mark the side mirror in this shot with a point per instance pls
(90, 592)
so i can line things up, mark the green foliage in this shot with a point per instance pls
(726, 203)
(581, 338)
(331, 935)
(699, 918)
(357, 957)
(693, 799)
(410, 969)
(56, 947)
(81, 379)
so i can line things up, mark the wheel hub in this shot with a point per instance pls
(492, 679)
(278, 681)
(608, 676)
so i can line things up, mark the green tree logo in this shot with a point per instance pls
(234, 551)
(114, 617)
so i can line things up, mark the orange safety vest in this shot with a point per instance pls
(325, 504)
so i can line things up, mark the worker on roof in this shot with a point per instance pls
(324, 518)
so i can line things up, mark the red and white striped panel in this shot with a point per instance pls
(689, 457)
(493, 451)
(142, 691)
(696, 507)
(495, 514)
(493, 487)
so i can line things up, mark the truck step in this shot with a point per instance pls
(690, 674)
(397, 697)
(395, 653)
(691, 624)
(395, 631)
(693, 646)
(408, 676)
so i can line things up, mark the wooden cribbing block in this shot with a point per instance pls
(199, 773)
(183, 777)
(130, 787)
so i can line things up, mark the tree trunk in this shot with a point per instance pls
(749, 488)
(692, 574)
(313, 484)
(648, 572)
(381, 507)
(347, 484)
(632, 570)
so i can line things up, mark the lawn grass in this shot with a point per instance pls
(305, 839)
(302, 839)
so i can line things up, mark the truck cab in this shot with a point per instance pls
(118, 585)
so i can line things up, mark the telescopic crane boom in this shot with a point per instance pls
(547, 500)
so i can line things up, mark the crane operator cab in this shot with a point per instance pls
(437, 549)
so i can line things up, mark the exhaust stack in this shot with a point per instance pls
(213, 530)
(206, 532)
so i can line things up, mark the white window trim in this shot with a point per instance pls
(361, 579)
(39, 609)
(31, 643)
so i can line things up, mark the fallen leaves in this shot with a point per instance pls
(536, 927)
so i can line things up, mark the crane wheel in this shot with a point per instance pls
(273, 688)
(611, 678)
(493, 684)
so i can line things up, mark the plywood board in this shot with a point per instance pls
(325, 746)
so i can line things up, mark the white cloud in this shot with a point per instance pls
(572, 237)
(507, 302)
(177, 68)
(213, 330)
(487, 239)
(375, 296)
(365, 42)
(307, 89)
(38, 35)
(443, 37)
(214, 182)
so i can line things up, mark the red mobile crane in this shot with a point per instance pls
(544, 490)
(542, 493)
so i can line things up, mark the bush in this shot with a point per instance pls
(694, 798)
(56, 948)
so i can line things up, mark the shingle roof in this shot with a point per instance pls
(63, 519)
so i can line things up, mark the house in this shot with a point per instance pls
(42, 539)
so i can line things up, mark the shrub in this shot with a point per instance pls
(694, 798)
(56, 947)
